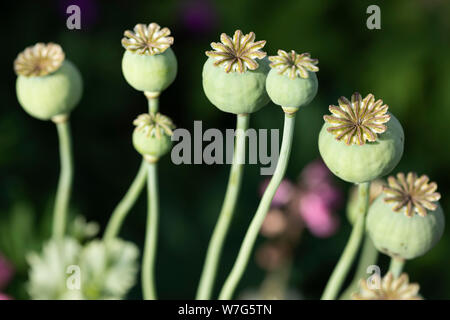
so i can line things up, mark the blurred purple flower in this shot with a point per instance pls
(283, 194)
(88, 8)
(6, 274)
(318, 217)
(199, 16)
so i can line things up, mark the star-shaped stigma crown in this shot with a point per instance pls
(411, 194)
(389, 289)
(293, 64)
(238, 53)
(149, 39)
(154, 125)
(358, 120)
(39, 60)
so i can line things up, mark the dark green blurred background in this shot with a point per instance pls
(406, 63)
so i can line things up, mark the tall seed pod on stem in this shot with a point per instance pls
(234, 81)
(148, 65)
(359, 143)
(49, 87)
(151, 138)
(291, 83)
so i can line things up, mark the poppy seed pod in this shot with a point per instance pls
(232, 79)
(47, 85)
(406, 220)
(152, 135)
(149, 63)
(292, 81)
(361, 141)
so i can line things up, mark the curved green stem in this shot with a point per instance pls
(65, 179)
(151, 236)
(369, 256)
(255, 225)
(396, 266)
(124, 206)
(348, 256)
(226, 213)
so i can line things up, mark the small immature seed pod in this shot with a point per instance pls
(151, 137)
(47, 85)
(342, 140)
(388, 288)
(232, 79)
(406, 220)
(149, 63)
(292, 82)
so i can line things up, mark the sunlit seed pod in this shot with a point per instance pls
(148, 63)
(388, 288)
(406, 220)
(48, 85)
(292, 81)
(361, 141)
(233, 79)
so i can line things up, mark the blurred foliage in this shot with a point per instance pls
(406, 63)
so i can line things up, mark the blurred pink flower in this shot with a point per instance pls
(6, 272)
(4, 297)
(283, 194)
(329, 194)
(318, 217)
(274, 224)
(314, 199)
(314, 174)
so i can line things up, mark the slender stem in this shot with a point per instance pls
(396, 266)
(65, 179)
(124, 206)
(153, 105)
(255, 225)
(369, 256)
(348, 256)
(226, 213)
(151, 236)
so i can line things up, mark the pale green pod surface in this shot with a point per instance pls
(146, 72)
(291, 93)
(362, 163)
(151, 145)
(236, 92)
(398, 235)
(44, 97)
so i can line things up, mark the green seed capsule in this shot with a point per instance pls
(232, 79)
(292, 82)
(152, 135)
(47, 85)
(149, 63)
(344, 148)
(406, 220)
(149, 73)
